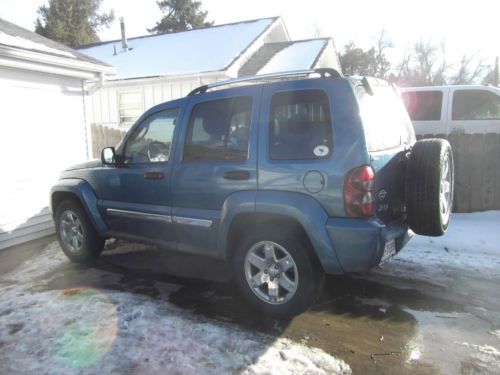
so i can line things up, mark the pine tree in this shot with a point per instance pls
(72, 22)
(180, 15)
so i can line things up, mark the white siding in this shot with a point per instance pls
(42, 131)
(102, 107)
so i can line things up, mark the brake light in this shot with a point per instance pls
(359, 192)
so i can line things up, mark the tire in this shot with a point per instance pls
(429, 187)
(72, 222)
(304, 271)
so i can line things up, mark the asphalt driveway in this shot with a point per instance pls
(432, 309)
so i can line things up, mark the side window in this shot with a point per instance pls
(475, 105)
(300, 125)
(219, 130)
(152, 139)
(423, 105)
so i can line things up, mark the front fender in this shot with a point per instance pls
(310, 214)
(83, 191)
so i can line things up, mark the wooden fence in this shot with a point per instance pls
(104, 136)
(477, 171)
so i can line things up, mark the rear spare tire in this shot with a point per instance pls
(429, 187)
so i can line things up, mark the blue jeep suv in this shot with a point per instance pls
(286, 176)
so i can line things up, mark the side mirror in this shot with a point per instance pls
(108, 155)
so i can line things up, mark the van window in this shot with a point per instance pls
(300, 126)
(423, 105)
(385, 120)
(475, 105)
(219, 130)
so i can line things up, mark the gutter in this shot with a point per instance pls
(33, 59)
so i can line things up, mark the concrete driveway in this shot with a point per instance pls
(432, 309)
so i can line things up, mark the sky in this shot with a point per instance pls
(466, 27)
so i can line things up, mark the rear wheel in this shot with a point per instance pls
(276, 272)
(77, 237)
(429, 187)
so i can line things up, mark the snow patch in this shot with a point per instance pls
(86, 331)
(472, 244)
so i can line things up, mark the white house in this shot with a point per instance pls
(42, 125)
(157, 68)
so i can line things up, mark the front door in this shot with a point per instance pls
(217, 158)
(135, 194)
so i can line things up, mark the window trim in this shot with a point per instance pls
(315, 160)
(172, 147)
(188, 119)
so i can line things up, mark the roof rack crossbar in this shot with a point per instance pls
(324, 72)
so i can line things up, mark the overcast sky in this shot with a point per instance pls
(469, 27)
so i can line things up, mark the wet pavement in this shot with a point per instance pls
(377, 323)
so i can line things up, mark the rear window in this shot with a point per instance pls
(300, 126)
(385, 120)
(423, 105)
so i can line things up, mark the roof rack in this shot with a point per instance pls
(324, 72)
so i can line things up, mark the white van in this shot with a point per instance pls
(453, 109)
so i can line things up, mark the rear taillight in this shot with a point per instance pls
(358, 192)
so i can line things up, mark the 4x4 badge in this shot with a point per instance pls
(382, 194)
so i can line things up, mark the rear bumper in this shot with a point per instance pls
(359, 244)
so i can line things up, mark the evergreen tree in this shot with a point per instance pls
(72, 22)
(180, 15)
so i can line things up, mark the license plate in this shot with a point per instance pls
(389, 250)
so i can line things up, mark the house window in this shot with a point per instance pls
(130, 106)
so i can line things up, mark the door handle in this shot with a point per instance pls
(154, 176)
(237, 175)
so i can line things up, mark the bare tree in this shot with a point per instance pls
(469, 71)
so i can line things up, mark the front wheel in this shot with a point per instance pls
(277, 273)
(77, 237)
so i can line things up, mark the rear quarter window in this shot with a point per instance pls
(300, 125)
(385, 120)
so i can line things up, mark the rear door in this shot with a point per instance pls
(474, 110)
(388, 133)
(217, 158)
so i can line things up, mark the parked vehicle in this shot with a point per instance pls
(442, 110)
(301, 174)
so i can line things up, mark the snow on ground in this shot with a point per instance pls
(472, 243)
(466, 260)
(86, 331)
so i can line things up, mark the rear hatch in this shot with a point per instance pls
(389, 134)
